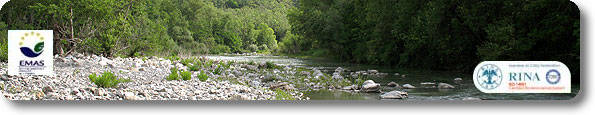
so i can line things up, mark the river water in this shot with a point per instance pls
(413, 77)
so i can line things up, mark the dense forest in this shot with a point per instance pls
(426, 34)
(439, 34)
(154, 27)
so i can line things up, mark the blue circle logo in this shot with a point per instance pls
(489, 76)
(553, 76)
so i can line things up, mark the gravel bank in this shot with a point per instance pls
(71, 81)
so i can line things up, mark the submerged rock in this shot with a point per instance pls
(445, 86)
(369, 86)
(351, 87)
(394, 95)
(427, 85)
(392, 84)
(458, 80)
(408, 86)
(471, 99)
(372, 71)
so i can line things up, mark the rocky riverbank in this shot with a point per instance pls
(234, 81)
(227, 80)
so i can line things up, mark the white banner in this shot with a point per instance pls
(30, 52)
(522, 77)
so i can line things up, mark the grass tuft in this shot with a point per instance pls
(282, 95)
(186, 75)
(107, 80)
(173, 75)
(202, 76)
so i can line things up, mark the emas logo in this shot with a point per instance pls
(30, 52)
(37, 48)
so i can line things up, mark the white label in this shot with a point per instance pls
(30, 52)
(522, 77)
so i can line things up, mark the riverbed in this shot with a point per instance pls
(466, 89)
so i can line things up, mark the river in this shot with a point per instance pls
(413, 77)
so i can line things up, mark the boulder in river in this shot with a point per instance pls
(427, 85)
(369, 86)
(458, 80)
(445, 86)
(408, 86)
(394, 95)
(392, 84)
(373, 71)
(352, 87)
(471, 99)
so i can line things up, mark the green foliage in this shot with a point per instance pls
(283, 95)
(186, 75)
(271, 65)
(153, 27)
(3, 42)
(194, 67)
(173, 75)
(436, 34)
(202, 76)
(217, 70)
(187, 62)
(107, 80)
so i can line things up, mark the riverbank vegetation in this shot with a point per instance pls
(438, 34)
(153, 27)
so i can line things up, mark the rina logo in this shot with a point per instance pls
(489, 77)
(31, 49)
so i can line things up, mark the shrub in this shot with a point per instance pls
(173, 75)
(271, 65)
(194, 67)
(107, 80)
(282, 95)
(220, 49)
(186, 75)
(202, 76)
(3, 42)
(3, 51)
(252, 48)
(186, 62)
(217, 70)
(263, 47)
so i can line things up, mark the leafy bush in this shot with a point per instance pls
(186, 62)
(271, 65)
(220, 49)
(217, 70)
(173, 75)
(107, 80)
(194, 67)
(186, 75)
(282, 95)
(202, 76)
(3, 51)
(3, 42)
(252, 48)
